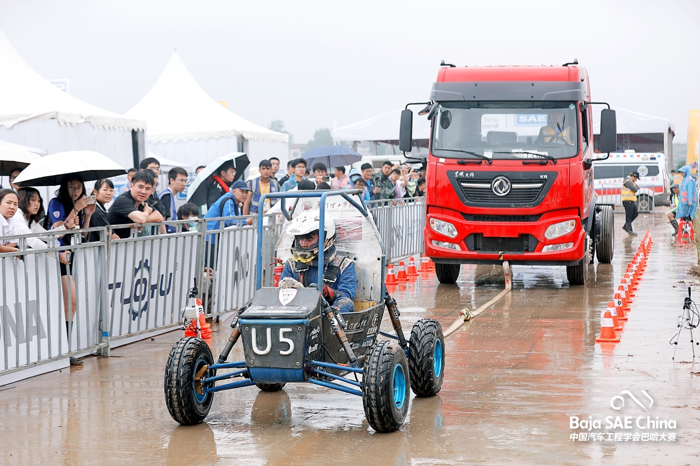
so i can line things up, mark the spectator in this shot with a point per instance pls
(385, 187)
(14, 174)
(177, 182)
(396, 178)
(104, 193)
(420, 188)
(8, 207)
(412, 183)
(199, 169)
(366, 169)
(290, 172)
(360, 184)
(131, 207)
(219, 184)
(275, 166)
(320, 173)
(71, 208)
(188, 211)
(341, 181)
(265, 184)
(27, 216)
(354, 174)
(229, 205)
(299, 170)
(306, 185)
(130, 174)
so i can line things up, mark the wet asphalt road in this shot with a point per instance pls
(514, 377)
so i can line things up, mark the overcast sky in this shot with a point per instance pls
(319, 64)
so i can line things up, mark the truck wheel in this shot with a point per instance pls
(447, 273)
(578, 274)
(426, 357)
(385, 381)
(604, 247)
(187, 365)
(646, 203)
(270, 387)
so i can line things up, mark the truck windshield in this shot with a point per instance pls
(505, 130)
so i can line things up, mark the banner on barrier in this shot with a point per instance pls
(148, 282)
(235, 274)
(32, 325)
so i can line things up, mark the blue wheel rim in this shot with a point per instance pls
(201, 398)
(399, 379)
(437, 358)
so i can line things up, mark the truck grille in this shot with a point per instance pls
(501, 218)
(520, 192)
(519, 245)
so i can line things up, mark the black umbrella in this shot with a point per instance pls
(197, 192)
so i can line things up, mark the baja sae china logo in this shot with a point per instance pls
(287, 295)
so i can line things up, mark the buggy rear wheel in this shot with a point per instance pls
(426, 357)
(187, 365)
(385, 382)
(270, 387)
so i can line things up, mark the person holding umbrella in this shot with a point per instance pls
(220, 183)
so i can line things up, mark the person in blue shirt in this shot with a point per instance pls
(339, 279)
(230, 206)
(299, 170)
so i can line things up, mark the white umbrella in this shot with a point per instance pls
(14, 156)
(50, 170)
(197, 191)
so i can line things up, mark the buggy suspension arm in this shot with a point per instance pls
(394, 314)
(235, 334)
(342, 338)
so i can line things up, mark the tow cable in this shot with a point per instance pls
(465, 315)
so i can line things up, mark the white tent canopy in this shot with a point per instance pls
(33, 112)
(383, 127)
(186, 125)
(630, 122)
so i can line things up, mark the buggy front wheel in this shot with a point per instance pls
(188, 363)
(385, 382)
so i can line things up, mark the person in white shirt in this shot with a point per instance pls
(27, 216)
(8, 207)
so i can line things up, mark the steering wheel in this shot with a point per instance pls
(556, 140)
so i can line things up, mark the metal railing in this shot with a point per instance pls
(129, 289)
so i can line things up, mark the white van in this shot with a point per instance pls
(654, 181)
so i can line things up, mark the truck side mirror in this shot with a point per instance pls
(406, 131)
(608, 131)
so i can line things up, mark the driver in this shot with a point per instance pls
(339, 281)
(555, 132)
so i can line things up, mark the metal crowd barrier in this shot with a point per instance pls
(133, 288)
(400, 223)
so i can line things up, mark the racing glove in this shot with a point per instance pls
(329, 294)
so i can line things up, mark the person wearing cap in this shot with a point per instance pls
(629, 201)
(229, 205)
(671, 214)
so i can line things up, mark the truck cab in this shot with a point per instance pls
(509, 170)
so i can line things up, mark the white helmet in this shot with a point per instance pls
(305, 224)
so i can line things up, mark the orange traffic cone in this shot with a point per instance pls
(424, 265)
(403, 278)
(391, 276)
(432, 265)
(412, 272)
(607, 330)
(613, 312)
(621, 316)
(623, 296)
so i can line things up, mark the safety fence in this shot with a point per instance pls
(400, 224)
(117, 291)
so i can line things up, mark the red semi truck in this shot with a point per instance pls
(510, 169)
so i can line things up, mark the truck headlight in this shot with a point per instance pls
(560, 229)
(446, 245)
(557, 247)
(444, 228)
